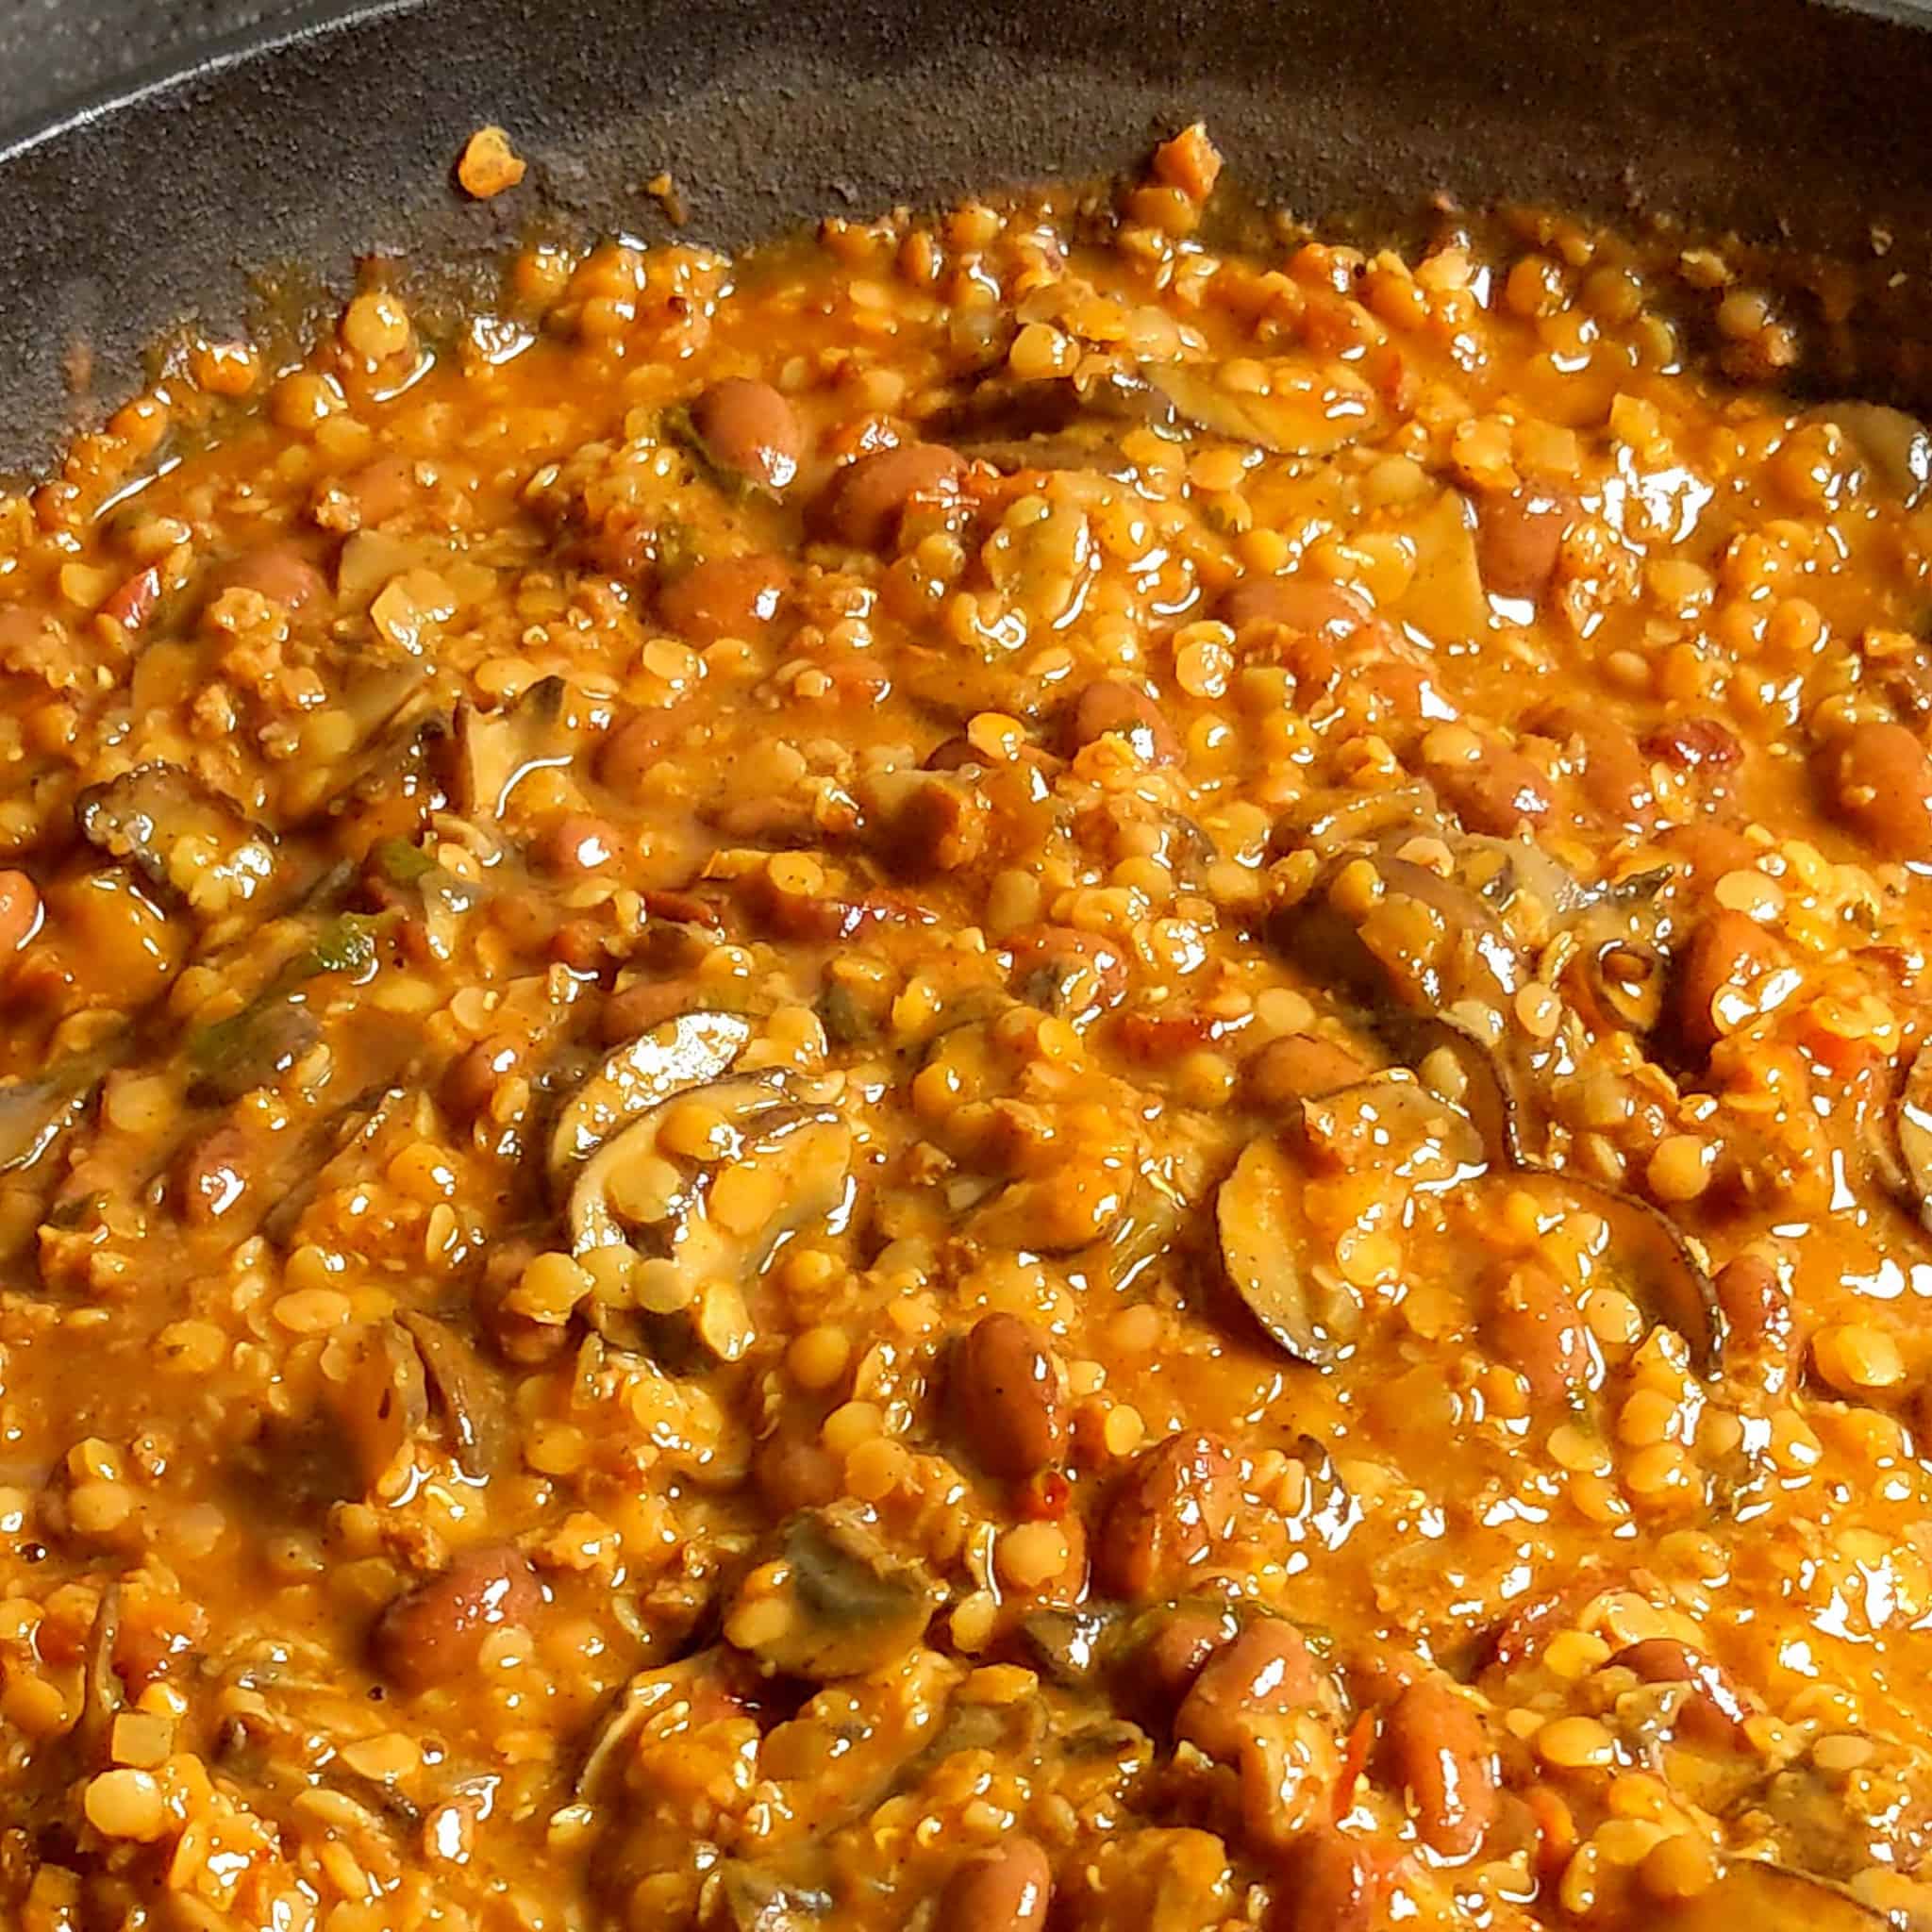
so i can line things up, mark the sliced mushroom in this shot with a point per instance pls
(1648, 1257)
(1313, 418)
(1063, 423)
(382, 1406)
(1913, 1124)
(1309, 1311)
(1389, 1122)
(831, 1601)
(34, 1113)
(1070, 1647)
(102, 1695)
(182, 837)
(1895, 447)
(750, 1900)
(496, 750)
(461, 1392)
(689, 1051)
(1770, 1898)
(703, 1238)
(250, 1049)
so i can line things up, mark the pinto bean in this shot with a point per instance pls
(470, 1080)
(1324, 1884)
(1107, 707)
(1009, 1402)
(725, 598)
(866, 500)
(1712, 1715)
(1756, 1305)
(1728, 950)
(1311, 605)
(577, 846)
(211, 1175)
(1695, 744)
(1536, 1327)
(431, 1634)
(1703, 850)
(1298, 1066)
(1439, 1757)
(1519, 541)
(1497, 792)
(1173, 1509)
(1006, 1890)
(638, 746)
(1878, 781)
(20, 912)
(748, 428)
(1266, 1671)
(1163, 1669)
(279, 572)
(1616, 774)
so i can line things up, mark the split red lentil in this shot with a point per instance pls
(992, 1077)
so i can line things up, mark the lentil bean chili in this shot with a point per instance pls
(995, 1076)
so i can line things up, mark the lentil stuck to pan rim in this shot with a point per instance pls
(993, 1077)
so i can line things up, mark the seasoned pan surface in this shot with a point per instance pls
(334, 136)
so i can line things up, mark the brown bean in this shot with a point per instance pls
(577, 845)
(1616, 775)
(1536, 1327)
(382, 489)
(1497, 793)
(1004, 1890)
(1298, 1066)
(725, 598)
(1166, 1518)
(1878, 781)
(866, 500)
(637, 748)
(279, 572)
(1695, 744)
(1266, 1671)
(1163, 1670)
(470, 1082)
(1324, 1884)
(1519, 539)
(1705, 850)
(432, 1634)
(1438, 1753)
(20, 912)
(1110, 708)
(1309, 605)
(212, 1175)
(1008, 1399)
(748, 428)
(1756, 1305)
(1728, 950)
(1712, 1715)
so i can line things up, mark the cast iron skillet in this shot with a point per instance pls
(326, 140)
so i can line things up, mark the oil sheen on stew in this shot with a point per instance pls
(991, 1078)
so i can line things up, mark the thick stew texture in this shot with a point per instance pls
(997, 1076)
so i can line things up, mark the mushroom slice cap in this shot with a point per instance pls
(1648, 1257)
(1764, 1897)
(459, 1387)
(1913, 1121)
(495, 750)
(831, 1601)
(1314, 1316)
(164, 823)
(689, 1051)
(1309, 418)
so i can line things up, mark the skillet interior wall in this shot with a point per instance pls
(1782, 119)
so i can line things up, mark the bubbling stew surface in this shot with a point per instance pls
(995, 1076)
